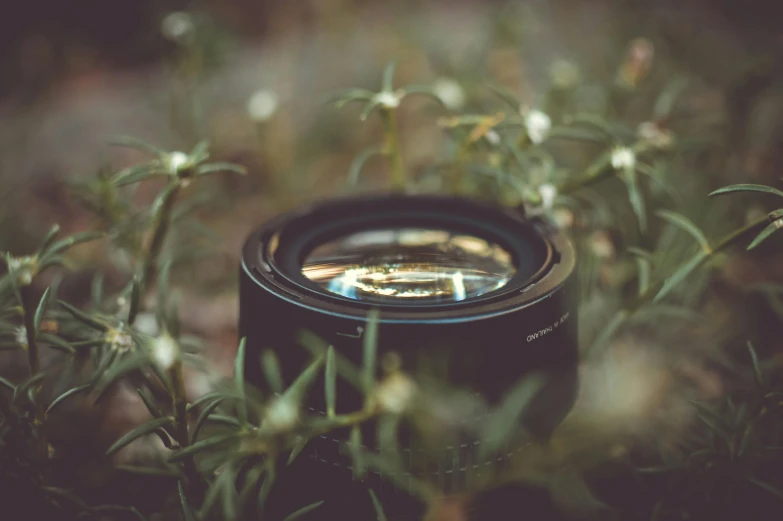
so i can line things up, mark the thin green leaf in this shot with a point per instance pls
(756, 368)
(187, 512)
(57, 343)
(636, 198)
(67, 495)
(667, 99)
(370, 351)
(766, 486)
(200, 446)
(202, 418)
(135, 300)
(250, 485)
(302, 511)
(330, 382)
(239, 382)
(505, 95)
(138, 432)
(66, 395)
(139, 173)
(41, 310)
(135, 143)
(318, 347)
(424, 90)
(680, 275)
(297, 390)
(377, 506)
(149, 402)
(30, 383)
(644, 268)
(387, 82)
(618, 319)
(685, 224)
(200, 152)
(269, 481)
(271, 368)
(214, 395)
(747, 188)
(369, 108)
(299, 446)
(503, 421)
(220, 167)
(716, 424)
(53, 231)
(765, 233)
(355, 449)
(96, 290)
(73, 240)
(358, 164)
(7, 384)
(84, 318)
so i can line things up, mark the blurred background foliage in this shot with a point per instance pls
(253, 77)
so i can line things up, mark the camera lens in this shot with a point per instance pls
(478, 295)
(415, 265)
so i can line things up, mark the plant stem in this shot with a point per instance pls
(160, 227)
(392, 149)
(180, 405)
(28, 309)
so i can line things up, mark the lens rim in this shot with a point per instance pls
(273, 254)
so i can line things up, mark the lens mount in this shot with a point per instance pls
(416, 253)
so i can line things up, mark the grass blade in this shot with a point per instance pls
(756, 368)
(302, 511)
(239, 382)
(330, 382)
(65, 396)
(747, 188)
(271, 369)
(764, 235)
(377, 506)
(685, 224)
(680, 275)
(370, 352)
(138, 432)
(83, 317)
(39, 312)
(187, 512)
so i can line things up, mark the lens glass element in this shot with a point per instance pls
(409, 265)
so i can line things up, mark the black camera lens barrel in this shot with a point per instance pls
(489, 341)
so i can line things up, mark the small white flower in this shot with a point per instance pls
(492, 137)
(177, 26)
(394, 394)
(281, 414)
(164, 351)
(262, 105)
(537, 124)
(651, 132)
(147, 324)
(623, 158)
(563, 217)
(176, 160)
(450, 93)
(23, 269)
(21, 336)
(548, 193)
(389, 100)
(119, 340)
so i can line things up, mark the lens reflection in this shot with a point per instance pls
(409, 265)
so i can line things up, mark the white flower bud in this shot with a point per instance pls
(23, 269)
(281, 415)
(654, 134)
(176, 160)
(548, 193)
(449, 92)
(21, 336)
(537, 124)
(389, 100)
(622, 158)
(119, 340)
(394, 394)
(492, 137)
(177, 26)
(164, 351)
(262, 105)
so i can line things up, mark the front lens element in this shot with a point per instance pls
(410, 265)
